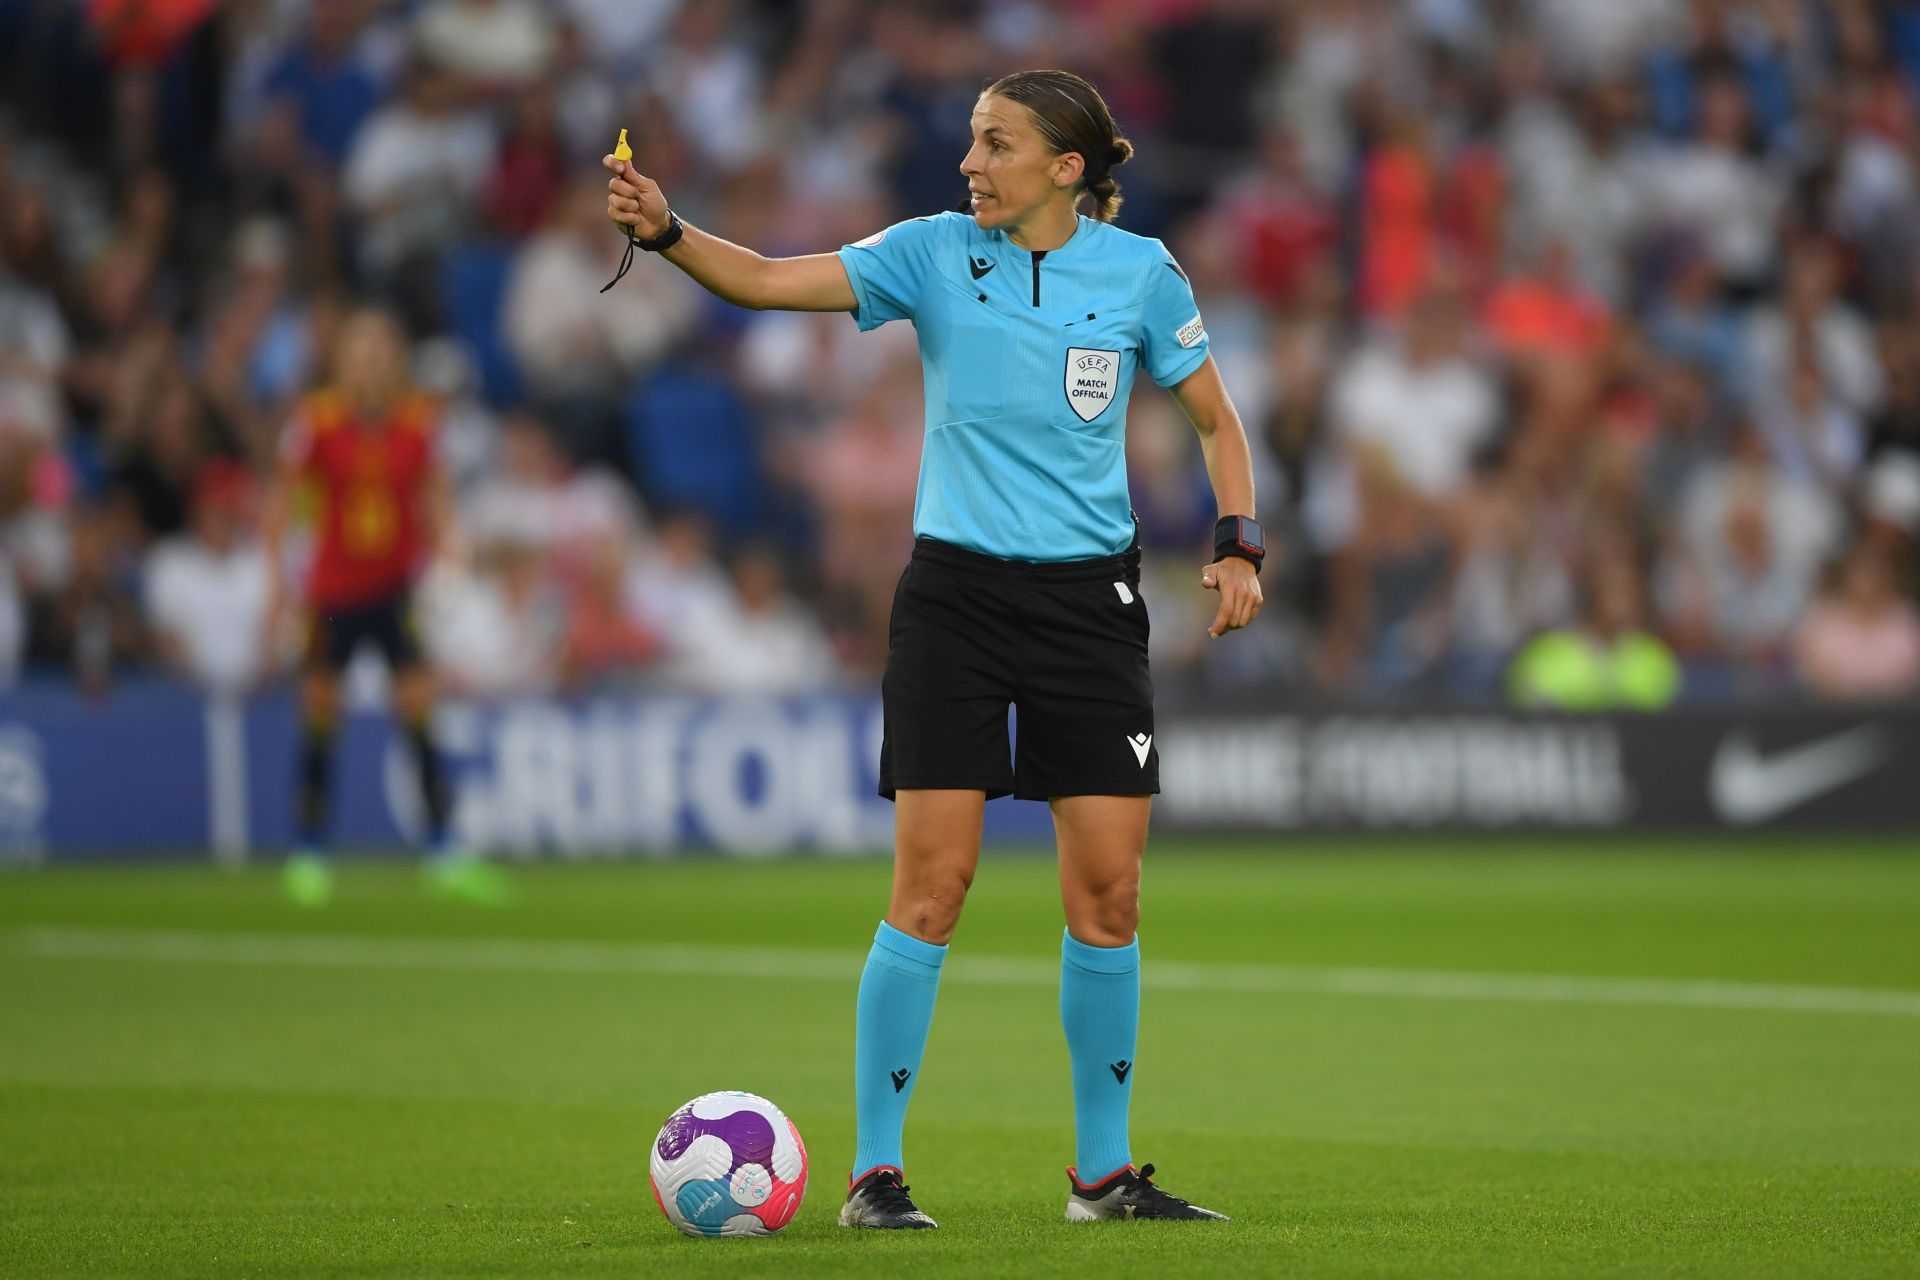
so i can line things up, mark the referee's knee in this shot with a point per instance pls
(928, 906)
(1107, 917)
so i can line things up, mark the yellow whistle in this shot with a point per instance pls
(623, 153)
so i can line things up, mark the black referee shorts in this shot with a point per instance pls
(1064, 644)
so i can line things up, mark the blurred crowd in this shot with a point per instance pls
(1585, 323)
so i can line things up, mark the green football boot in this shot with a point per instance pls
(465, 878)
(307, 880)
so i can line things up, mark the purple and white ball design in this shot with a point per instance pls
(729, 1164)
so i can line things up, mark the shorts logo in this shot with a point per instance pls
(1091, 379)
(1141, 744)
(1191, 333)
(1125, 592)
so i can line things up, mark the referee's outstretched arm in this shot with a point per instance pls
(1202, 396)
(816, 282)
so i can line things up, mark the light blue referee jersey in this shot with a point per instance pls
(1029, 358)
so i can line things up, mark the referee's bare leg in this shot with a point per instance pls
(1102, 839)
(936, 849)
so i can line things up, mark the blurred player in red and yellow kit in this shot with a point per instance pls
(359, 454)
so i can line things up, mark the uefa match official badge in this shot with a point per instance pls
(1091, 379)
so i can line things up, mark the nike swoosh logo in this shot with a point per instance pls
(1141, 744)
(979, 270)
(1747, 787)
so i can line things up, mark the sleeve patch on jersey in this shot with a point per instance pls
(870, 241)
(1191, 333)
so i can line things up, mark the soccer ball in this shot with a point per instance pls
(729, 1164)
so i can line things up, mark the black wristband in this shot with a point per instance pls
(666, 239)
(1239, 536)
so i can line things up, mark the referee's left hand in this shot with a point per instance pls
(1239, 588)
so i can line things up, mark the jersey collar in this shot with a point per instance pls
(1072, 242)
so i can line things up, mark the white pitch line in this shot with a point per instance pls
(509, 955)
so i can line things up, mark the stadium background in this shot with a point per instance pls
(1546, 317)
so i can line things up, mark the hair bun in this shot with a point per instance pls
(1119, 153)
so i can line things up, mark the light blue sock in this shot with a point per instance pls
(889, 1036)
(1100, 1009)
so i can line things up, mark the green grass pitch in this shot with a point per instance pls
(1410, 1059)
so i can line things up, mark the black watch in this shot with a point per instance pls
(666, 239)
(1239, 536)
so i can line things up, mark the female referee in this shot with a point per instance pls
(1024, 583)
